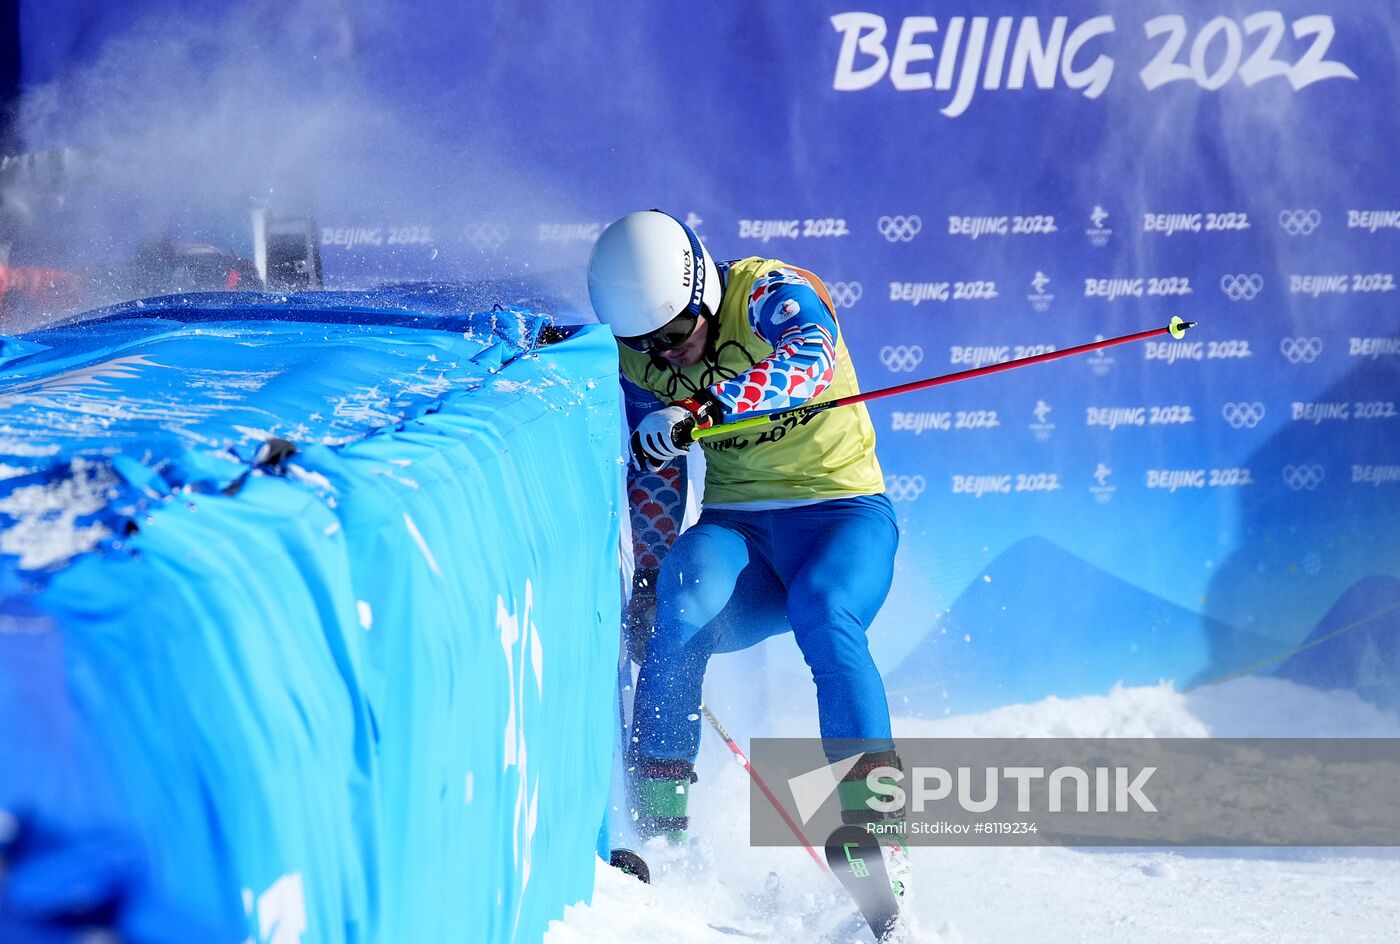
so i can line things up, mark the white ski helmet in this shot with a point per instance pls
(644, 273)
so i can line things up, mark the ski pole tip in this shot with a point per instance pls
(1178, 327)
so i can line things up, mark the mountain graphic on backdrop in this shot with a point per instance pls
(1050, 623)
(1355, 646)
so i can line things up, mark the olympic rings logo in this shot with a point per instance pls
(845, 294)
(485, 235)
(900, 229)
(1299, 222)
(1243, 415)
(901, 359)
(1241, 288)
(904, 487)
(1303, 478)
(1300, 350)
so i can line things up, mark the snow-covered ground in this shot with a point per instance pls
(722, 891)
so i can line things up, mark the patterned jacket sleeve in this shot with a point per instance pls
(786, 311)
(656, 499)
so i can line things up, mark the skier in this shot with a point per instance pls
(795, 532)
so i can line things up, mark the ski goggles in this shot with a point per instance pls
(672, 334)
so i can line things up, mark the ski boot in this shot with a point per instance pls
(661, 797)
(891, 829)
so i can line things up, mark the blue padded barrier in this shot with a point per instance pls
(369, 695)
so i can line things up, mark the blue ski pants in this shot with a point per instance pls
(737, 577)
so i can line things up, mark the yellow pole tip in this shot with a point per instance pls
(1178, 326)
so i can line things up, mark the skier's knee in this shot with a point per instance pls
(687, 596)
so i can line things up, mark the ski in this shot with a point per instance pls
(855, 857)
(625, 860)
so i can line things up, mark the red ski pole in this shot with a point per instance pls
(1176, 329)
(758, 782)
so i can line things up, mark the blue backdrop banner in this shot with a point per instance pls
(975, 185)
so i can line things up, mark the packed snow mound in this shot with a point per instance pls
(722, 890)
(1249, 706)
